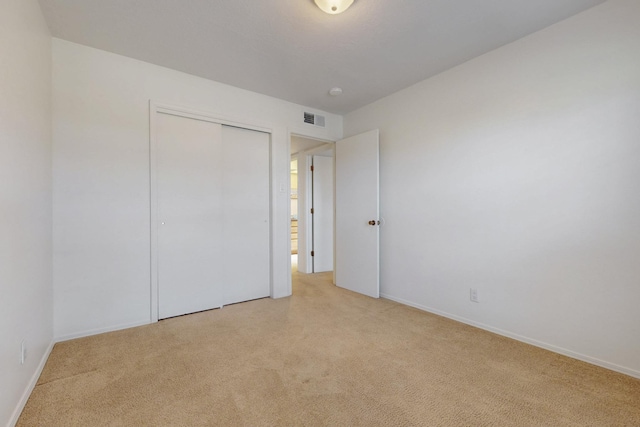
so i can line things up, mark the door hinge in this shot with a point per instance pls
(311, 211)
(312, 253)
(311, 168)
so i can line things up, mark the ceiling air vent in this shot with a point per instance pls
(314, 119)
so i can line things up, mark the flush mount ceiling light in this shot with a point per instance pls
(333, 7)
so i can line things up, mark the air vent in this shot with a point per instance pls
(310, 118)
(314, 119)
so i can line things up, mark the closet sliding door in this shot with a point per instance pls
(212, 215)
(246, 214)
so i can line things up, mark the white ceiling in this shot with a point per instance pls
(291, 50)
(300, 143)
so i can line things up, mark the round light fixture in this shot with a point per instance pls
(333, 7)
(335, 91)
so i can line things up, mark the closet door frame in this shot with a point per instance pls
(156, 108)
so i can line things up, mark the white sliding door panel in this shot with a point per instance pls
(357, 214)
(212, 203)
(190, 199)
(322, 214)
(246, 214)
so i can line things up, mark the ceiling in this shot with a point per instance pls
(291, 50)
(300, 143)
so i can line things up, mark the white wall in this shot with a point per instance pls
(25, 200)
(518, 173)
(101, 178)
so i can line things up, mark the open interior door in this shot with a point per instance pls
(322, 213)
(357, 214)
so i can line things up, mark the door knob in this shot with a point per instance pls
(372, 222)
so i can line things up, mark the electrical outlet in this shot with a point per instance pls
(23, 352)
(473, 295)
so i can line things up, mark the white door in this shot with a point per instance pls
(357, 214)
(213, 215)
(190, 239)
(322, 214)
(245, 214)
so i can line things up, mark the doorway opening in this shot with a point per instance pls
(312, 205)
(356, 210)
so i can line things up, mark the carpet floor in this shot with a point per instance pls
(324, 356)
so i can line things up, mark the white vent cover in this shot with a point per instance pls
(314, 119)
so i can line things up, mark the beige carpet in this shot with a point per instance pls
(322, 357)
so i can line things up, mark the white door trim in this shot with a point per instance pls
(182, 111)
(206, 116)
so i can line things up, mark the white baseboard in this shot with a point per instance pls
(36, 375)
(97, 331)
(592, 360)
(29, 389)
